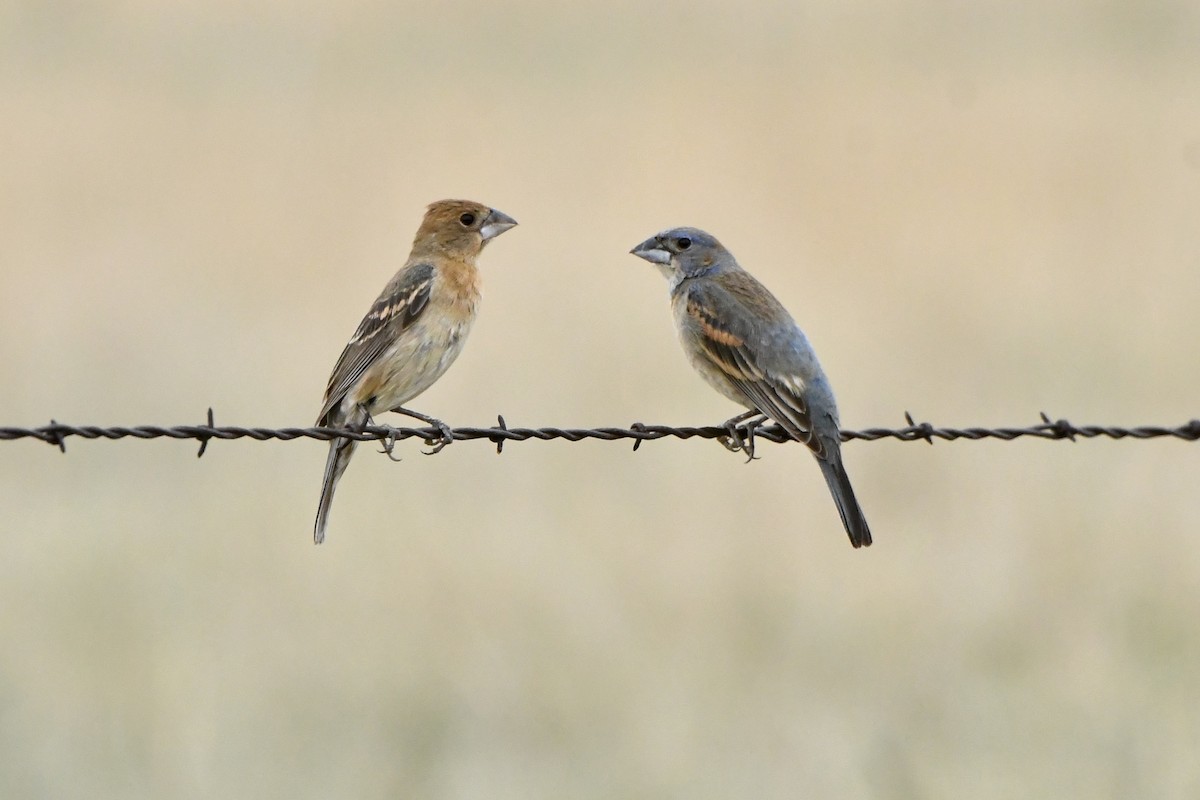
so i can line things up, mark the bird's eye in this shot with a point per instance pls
(467, 219)
(683, 243)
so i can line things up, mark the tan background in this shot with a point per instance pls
(978, 211)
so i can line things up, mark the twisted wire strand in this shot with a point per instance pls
(57, 433)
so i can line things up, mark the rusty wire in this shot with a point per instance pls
(57, 433)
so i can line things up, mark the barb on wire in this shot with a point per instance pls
(56, 433)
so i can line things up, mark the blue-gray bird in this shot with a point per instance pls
(746, 345)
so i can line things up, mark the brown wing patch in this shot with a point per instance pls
(781, 397)
(711, 326)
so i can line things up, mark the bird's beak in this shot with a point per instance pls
(653, 251)
(497, 222)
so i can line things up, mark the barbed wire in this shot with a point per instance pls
(57, 433)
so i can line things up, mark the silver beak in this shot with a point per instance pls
(653, 251)
(497, 222)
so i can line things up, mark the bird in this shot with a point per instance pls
(746, 345)
(412, 334)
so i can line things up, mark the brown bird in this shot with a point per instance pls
(413, 332)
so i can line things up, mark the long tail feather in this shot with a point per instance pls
(843, 495)
(340, 451)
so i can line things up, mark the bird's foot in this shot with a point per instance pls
(740, 439)
(446, 435)
(389, 444)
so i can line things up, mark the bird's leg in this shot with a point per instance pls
(388, 442)
(447, 436)
(735, 441)
(367, 420)
(751, 428)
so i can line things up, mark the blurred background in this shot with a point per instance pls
(978, 211)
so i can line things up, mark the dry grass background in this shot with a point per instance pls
(978, 211)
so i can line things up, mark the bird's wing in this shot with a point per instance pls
(732, 334)
(400, 304)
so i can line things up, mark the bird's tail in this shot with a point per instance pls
(340, 451)
(843, 495)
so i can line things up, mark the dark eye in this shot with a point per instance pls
(467, 219)
(683, 243)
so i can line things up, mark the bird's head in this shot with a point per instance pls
(681, 253)
(460, 227)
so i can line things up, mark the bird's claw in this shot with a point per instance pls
(447, 437)
(389, 444)
(739, 439)
(731, 442)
